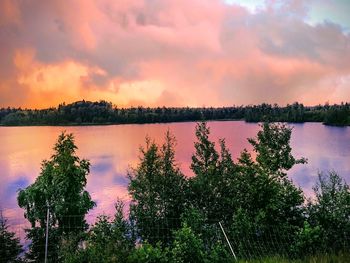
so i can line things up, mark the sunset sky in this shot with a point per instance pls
(174, 52)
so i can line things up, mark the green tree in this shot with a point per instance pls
(270, 191)
(157, 189)
(187, 247)
(309, 240)
(146, 253)
(273, 150)
(330, 211)
(268, 202)
(213, 174)
(107, 241)
(227, 185)
(10, 246)
(59, 187)
(338, 115)
(205, 159)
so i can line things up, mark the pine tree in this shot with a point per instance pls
(10, 246)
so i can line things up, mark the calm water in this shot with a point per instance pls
(112, 149)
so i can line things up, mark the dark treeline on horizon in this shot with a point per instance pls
(103, 112)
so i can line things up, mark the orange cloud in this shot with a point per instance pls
(54, 83)
(48, 84)
(172, 53)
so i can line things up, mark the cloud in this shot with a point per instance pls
(172, 53)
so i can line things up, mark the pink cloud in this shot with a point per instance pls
(174, 53)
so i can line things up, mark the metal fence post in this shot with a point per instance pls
(228, 241)
(47, 232)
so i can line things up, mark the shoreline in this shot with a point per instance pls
(141, 123)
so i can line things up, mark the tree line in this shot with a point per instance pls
(103, 112)
(174, 218)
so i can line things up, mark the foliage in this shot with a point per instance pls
(205, 167)
(10, 246)
(280, 199)
(59, 188)
(173, 218)
(272, 146)
(213, 189)
(187, 247)
(331, 211)
(107, 241)
(219, 253)
(310, 240)
(320, 258)
(156, 188)
(268, 201)
(103, 112)
(146, 253)
(251, 197)
(338, 115)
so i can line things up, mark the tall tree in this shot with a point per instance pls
(215, 185)
(269, 201)
(60, 187)
(273, 150)
(205, 166)
(157, 189)
(274, 158)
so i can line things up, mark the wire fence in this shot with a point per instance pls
(241, 243)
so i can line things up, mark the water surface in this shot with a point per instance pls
(113, 149)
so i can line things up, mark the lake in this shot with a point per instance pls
(112, 150)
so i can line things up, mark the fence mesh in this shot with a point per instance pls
(251, 243)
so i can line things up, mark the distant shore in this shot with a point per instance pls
(86, 113)
(134, 123)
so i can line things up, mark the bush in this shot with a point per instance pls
(187, 247)
(147, 253)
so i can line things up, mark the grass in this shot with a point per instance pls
(325, 258)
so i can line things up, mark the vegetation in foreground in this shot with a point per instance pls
(175, 218)
(10, 246)
(324, 258)
(102, 112)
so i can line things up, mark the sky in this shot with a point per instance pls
(174, 52)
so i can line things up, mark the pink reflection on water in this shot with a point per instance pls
(112, 150)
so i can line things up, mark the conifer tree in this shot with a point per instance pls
(10, 246)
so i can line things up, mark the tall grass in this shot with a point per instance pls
(324, 258)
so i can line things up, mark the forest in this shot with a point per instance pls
(103, 112)
(244, 210)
